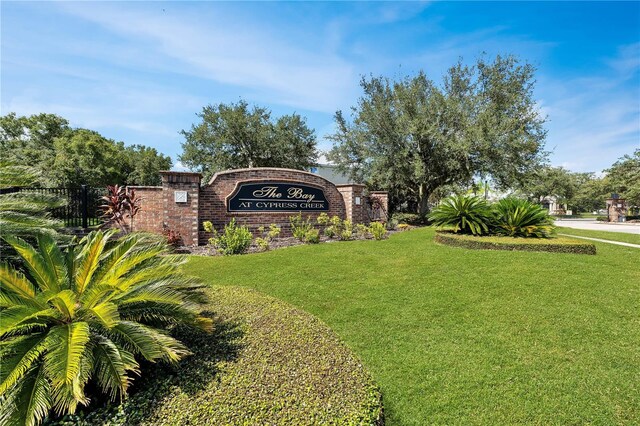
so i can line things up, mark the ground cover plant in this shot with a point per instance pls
(469, 336)
(256, 368)
(87, 314)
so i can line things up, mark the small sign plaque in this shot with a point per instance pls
(180, 196)
(272, 196)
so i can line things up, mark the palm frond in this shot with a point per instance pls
(63, 360)
(22, 355)
(149, 343)
(89, 257)
(65, 302)
(15, 282)
(29, 402)
(24, 315)
(112, 364)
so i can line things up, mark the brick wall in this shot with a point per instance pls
(151, 214)
(381, 213)
(181, 217)
(213, 199)
(354, 201)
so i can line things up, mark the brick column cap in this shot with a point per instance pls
(347, 185)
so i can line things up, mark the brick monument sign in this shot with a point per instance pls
(253, 197)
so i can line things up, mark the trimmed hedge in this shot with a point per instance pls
(266, 363)
(554, 245)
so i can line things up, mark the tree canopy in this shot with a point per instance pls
(235, 135)
(411, 136)
(64, 156)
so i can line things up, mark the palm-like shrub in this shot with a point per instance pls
(85, 313)
(466, 214)
(25, 213)
(520, 218)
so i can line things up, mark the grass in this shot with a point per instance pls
(457, 336)
(605, 235)
(256, 368)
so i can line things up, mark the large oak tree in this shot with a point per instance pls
(412, 136)
(64, 156)
(231, 136)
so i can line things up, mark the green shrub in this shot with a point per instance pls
(274, 231)
(233, 240)
(264, 244)
(466, 214)
(346, 232)
(323, 219)
(83, 314)
(337, 224)
(392, 225)
(330, 231)
(602, 219)
(409, 218)
(519, 218)
(378, 230)
(554, 245)
(299, 226)
(362, 230)
(312, 236)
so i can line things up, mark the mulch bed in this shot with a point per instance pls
(278, 243)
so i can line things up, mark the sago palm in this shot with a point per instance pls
(520, 218)
(85, 313)
(466, 214)
(25, 213)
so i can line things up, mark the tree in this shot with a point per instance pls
(232, 136)
(144, 164)
(624, 178)
(29, 141)
(86, 157)
(63, 156)
(84, 314)
(412, 137)
(552, 181)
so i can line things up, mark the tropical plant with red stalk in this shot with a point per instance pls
(120, 203)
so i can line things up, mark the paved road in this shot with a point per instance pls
(593, 225)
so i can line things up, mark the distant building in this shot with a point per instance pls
(331, 173)
(553, 206)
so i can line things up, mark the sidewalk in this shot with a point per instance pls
(593, 225)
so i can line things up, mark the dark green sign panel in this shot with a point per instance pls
(276, 197)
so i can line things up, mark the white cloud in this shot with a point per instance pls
(227, 51)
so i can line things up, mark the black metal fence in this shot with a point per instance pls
(81, 209)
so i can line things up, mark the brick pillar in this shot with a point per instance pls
(354, 202)
(383, 213)
(180, 202)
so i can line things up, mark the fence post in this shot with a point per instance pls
(85, 207)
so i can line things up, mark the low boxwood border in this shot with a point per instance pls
(266, 363)
(553, 245)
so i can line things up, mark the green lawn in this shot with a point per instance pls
(613, 236)
(456, 336)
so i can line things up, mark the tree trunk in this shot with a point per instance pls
(423, 200)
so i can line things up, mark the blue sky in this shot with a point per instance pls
(140, 71)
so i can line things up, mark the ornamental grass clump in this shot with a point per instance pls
(88, 313)
(466, 215)
(519, 218)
